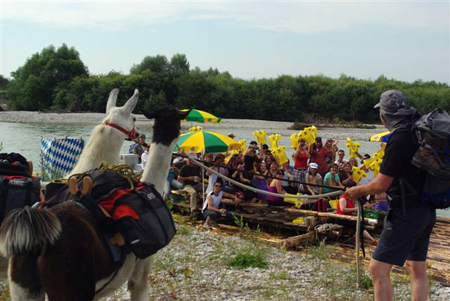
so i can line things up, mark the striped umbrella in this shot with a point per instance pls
(207, 142)
(382, 137)
(201, 116)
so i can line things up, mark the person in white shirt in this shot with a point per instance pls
(144, 155)
(212, 205)
(340, 159)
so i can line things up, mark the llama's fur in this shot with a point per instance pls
(78, 264)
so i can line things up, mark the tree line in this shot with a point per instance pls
(56, 79)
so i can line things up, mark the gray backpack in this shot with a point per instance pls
(433, 135)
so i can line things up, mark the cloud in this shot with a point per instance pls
(305, 17)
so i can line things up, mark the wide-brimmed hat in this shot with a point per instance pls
(231, 135)
(391, 101)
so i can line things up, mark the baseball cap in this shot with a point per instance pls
(142, 136)
(313, 165)
(391, 101)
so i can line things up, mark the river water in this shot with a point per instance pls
(24, 138)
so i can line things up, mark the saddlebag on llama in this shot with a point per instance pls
(18, 188)
(133, 208)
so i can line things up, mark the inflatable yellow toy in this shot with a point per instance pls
(374, 162)
(280, 155)
(375, 166)
(358, 174)
(196, 129)
(294, 140)
(298, 221)
(297, 202)
(230, 155)
(242, 145)
(273, 139)
(353, 147)
(260, 136)
(309, 134)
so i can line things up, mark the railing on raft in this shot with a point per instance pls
(306, 199)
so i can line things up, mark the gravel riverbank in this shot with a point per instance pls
(196, 266)
(95, 118)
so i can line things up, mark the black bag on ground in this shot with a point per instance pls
(17, 187)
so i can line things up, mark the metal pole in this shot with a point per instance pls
(358, 244)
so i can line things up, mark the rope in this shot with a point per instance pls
(326, 228)
(123, 170)
(312, 198)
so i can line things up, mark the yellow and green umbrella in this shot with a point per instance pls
(382, 137)
(207, 142)
(201, 116)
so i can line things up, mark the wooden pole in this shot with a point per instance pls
(357, 245)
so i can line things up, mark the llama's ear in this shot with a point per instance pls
(150, 115)
(183, 114)
(131, 103)
(111, 100)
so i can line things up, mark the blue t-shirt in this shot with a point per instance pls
(325, 188)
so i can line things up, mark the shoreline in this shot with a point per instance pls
(96, 118)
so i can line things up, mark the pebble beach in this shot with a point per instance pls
(196, 266)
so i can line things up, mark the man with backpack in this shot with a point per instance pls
(408, 224)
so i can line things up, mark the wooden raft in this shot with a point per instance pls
(281, 217)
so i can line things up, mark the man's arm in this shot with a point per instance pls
(379, 185)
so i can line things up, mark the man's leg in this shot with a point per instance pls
(379, 271)
(193, 197)
(419, 280)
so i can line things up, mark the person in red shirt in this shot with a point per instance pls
(346, 206)
(321, 155)
(301, 156)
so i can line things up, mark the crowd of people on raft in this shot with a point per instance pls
(317, 169)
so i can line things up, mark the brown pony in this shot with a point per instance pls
(105, 142)
(57, 251)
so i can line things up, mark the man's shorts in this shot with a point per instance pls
(405, 237)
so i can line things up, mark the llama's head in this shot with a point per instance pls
(166, 127)
(121, 118)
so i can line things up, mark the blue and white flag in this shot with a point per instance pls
(59, 156)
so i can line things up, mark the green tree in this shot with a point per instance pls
(3, 82)
(157, 64)
(34, 83)
(179, 65)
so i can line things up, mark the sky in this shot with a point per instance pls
(404, 40)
